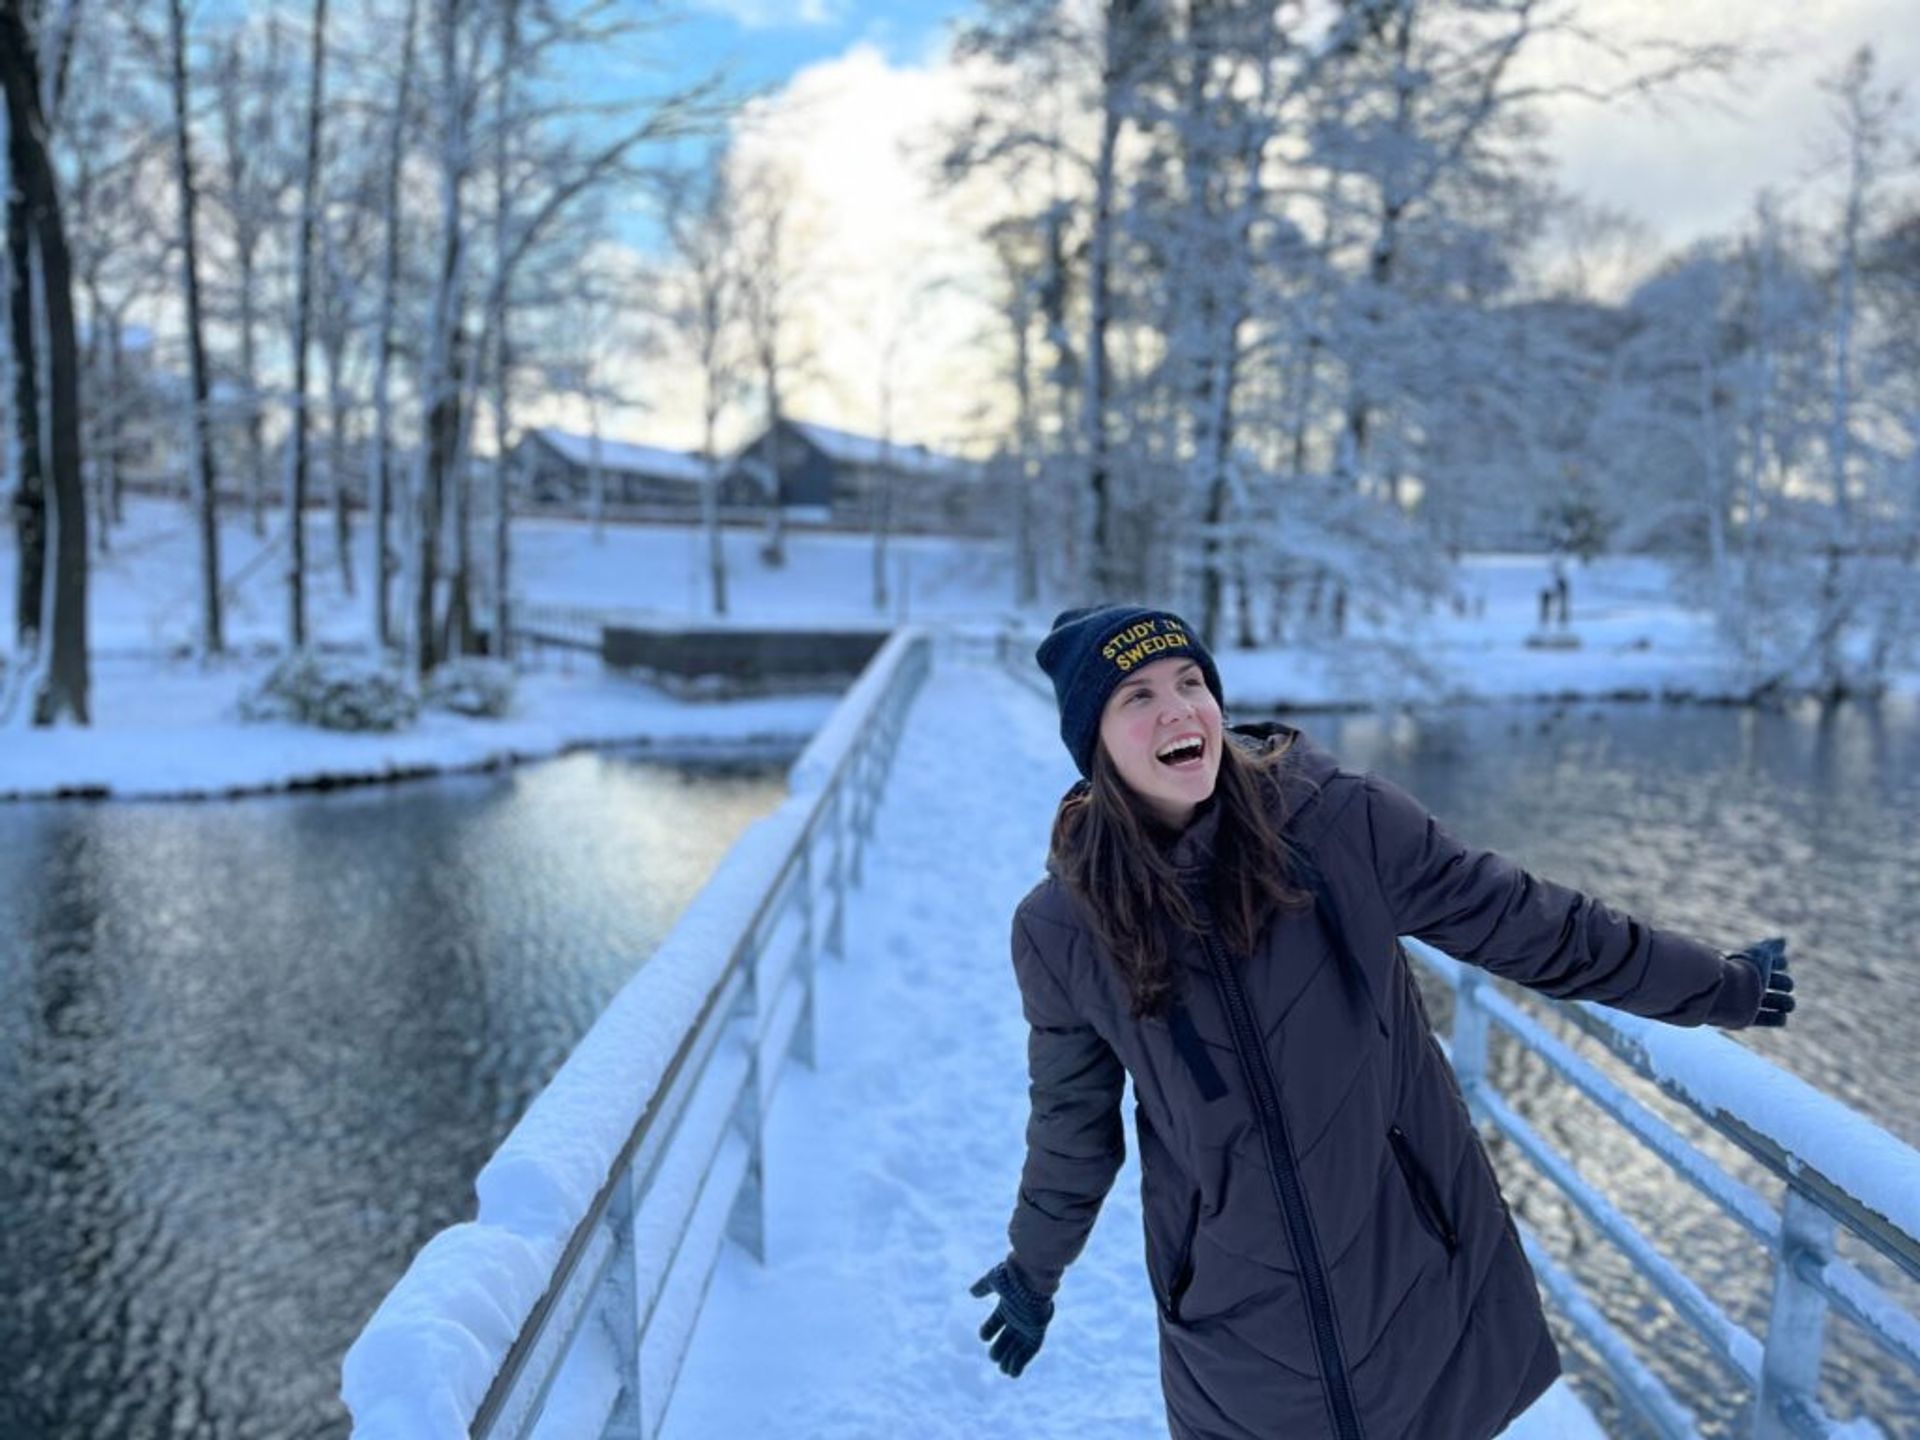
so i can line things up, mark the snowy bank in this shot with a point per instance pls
(425, 1361)
(169, 729)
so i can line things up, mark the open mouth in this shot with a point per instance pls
(1186, 753)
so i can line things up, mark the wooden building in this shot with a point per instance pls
(559, 470)
(839, 479)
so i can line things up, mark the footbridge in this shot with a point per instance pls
(751, 1202)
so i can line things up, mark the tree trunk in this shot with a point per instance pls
(502, 636)
(200, 447)
(63, 687)
(441, 378)
(337, 420)
(379, 481)
(27, 466)
(302, 330)
(1106, 579)
(710, 499)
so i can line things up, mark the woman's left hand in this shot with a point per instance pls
(1769, 957)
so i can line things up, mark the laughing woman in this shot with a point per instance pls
(1326, 1240)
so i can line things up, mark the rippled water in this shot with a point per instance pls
(1728, 825)
(253, 1053)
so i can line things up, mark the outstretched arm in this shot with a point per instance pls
(1481, 907)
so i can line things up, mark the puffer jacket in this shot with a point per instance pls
(1325, 1237)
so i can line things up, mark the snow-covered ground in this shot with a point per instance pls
(163, 724)
(891, 1169)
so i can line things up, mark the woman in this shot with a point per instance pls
(1326, 1240)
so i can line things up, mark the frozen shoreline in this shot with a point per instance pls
(165, 727)
(187, 745)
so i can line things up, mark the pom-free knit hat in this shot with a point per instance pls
(1091, 650)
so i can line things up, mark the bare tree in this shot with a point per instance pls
(380, 460)
(62, 686)
(700, 220)
(248, 94)
(310, 187)
(199, 420)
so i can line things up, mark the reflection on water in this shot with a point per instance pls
(253, 1053)
(1729, 825)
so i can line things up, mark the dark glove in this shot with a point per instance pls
(1769, 957)
(1019, 1320)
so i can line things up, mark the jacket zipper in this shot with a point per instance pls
(1286, 1183)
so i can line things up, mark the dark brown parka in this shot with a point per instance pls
(1326, 1240)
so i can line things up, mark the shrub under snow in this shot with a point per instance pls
(472, 686)
(332, 692)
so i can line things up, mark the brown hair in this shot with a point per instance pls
(1109, 849)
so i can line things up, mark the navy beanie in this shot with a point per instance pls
(1091, 650)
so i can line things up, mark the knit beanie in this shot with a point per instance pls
(1091, 650)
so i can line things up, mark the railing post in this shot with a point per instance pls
(747, 1221)
(1790, 1364)
(618, 1307)
(837, 877)
(1468, 1043)
(802, 1047)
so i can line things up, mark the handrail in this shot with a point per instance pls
(1838, 1169)
(693, 1147)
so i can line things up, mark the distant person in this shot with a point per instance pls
(1562, 592)
(1546, 607)
(1328, 1246)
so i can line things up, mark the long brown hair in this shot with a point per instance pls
(1111, 851)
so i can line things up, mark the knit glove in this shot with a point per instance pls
(1769, 957)
(1018, 1323)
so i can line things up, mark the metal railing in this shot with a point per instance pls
(599, 1327)
(1839, 1172)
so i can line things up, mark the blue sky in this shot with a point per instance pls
(765, 41)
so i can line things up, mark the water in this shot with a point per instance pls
(1727, 825)
(253, 1053)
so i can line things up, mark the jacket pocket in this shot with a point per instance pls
(1426, 1199)
(1181, 1275)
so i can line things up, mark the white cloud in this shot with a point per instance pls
(1693, 170)
(882, 256)
(775, 14)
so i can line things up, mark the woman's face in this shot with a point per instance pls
(1161, 729)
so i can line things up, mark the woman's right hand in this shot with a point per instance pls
(1018, 1323)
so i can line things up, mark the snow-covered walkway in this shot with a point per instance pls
(890, 1169)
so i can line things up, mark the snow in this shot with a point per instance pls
(871, 451)
(626, 457)
(164, 723)
(169, 730)
(424, 1361)
(891, 1169)
(1814, 1129)
(541, 1183)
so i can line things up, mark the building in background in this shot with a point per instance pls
(559, 470)
(841, 480)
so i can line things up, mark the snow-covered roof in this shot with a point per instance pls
(625, 457)
(870, 450)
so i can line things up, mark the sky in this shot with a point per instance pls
(853, 90)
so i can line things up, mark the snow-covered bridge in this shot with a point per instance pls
(867, 1184)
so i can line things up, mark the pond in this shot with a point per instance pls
(253, 1053)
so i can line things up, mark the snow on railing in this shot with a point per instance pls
(564, 1308)
(1838, 1168)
